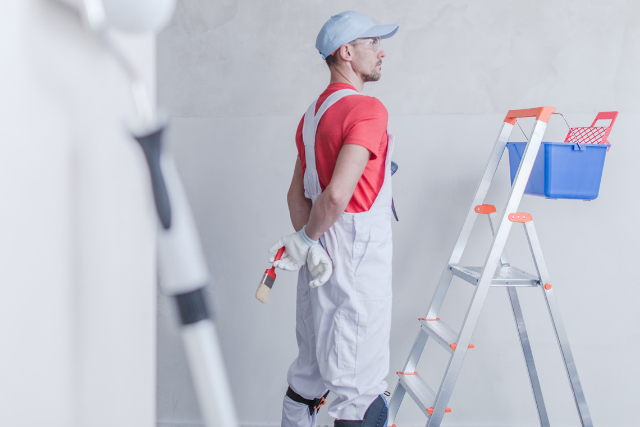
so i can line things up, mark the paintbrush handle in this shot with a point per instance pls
(278, 256)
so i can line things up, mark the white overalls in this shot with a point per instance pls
(343, 327)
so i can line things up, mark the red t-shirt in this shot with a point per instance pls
(354, 119)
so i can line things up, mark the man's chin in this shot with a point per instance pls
(373, 77)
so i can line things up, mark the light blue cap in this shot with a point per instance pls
(346, 27)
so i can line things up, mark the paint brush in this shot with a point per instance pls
(267, 280)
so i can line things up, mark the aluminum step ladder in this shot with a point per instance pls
(496, 272)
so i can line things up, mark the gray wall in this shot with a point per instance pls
(236, 76)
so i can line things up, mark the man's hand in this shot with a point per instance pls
(296, 248)
(319, 265)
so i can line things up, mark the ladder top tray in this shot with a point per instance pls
(505, 276)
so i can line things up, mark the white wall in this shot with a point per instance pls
(237, 76)
(77, 245)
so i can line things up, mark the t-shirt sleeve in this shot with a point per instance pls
(300, 144)
(366, 124)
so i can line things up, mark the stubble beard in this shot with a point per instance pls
(373, 76)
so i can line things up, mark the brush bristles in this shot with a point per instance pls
(262, 294)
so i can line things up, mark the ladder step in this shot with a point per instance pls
(419, 391)
(505, 276)
(440, 332)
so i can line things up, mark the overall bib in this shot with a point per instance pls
(342, 327)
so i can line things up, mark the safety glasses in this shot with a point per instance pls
(373, 43)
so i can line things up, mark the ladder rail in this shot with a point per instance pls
(528, 357)
(467, 227)
(481, 191)
(440, 293)
(490, 266)
(416, 351)
(524, 341)
(394, 402)
(410, 366)
(558, 326)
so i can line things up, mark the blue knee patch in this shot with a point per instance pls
(376, 416)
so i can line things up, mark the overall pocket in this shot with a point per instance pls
(373, 273)
(347, 340)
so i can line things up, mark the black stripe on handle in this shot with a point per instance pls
(152, 146)
(192, 307)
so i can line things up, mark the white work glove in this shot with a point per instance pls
(296, 248)
(319, 265)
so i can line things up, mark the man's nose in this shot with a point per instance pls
(382, 53)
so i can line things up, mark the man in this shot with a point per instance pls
(340, 205)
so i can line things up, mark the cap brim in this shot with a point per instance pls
(382, 31)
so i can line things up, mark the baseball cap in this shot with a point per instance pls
(346, 27)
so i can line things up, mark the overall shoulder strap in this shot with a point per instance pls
(311, 120)
(332, 99)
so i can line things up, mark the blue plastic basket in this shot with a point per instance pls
(562, 170)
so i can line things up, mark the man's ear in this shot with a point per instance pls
(346, 52)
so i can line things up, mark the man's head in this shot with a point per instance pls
(362, 56)
(350, 42)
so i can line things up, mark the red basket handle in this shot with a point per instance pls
(606, 115)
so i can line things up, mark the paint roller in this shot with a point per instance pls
(183, 270)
